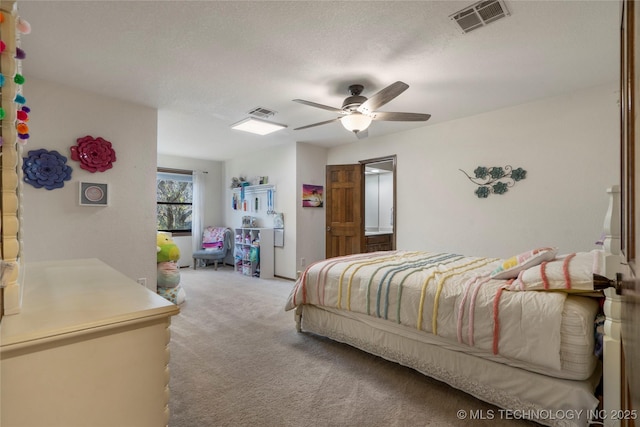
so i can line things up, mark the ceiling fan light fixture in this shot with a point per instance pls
(257, 126)
(356, 122)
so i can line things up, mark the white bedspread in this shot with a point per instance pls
(448, 295)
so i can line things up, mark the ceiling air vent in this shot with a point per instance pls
(261, 112)
(479, 14)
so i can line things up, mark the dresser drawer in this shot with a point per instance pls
(378, 242)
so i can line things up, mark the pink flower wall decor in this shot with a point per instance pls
(94, 154)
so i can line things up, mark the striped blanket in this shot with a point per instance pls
(449, 295)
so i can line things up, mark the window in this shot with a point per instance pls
(174, 196)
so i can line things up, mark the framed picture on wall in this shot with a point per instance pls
(94, 194)
(312, 196)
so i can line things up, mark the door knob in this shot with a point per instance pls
(328, 228)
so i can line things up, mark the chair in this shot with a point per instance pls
(216, 245)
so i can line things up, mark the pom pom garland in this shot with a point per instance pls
(22, 128)
(22, 112)
(23, 26)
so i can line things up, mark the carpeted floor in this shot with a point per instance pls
(237, 360)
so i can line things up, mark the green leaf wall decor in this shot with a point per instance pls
(495, 179)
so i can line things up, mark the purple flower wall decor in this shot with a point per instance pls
(46, 169)
(94, 154)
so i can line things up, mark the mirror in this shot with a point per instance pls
(379, 203)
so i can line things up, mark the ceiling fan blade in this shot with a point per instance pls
(318, 124)
(382, 97)
(313, 104)
(400, 117)
(362, 134)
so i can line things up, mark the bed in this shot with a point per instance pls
(520, 333)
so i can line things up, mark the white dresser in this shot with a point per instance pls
(89, 348)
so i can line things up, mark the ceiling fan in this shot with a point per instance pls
(358, 111)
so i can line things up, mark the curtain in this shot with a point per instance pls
(197, 225)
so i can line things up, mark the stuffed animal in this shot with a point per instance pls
(168, 272)
(166, 248)
(175, 295)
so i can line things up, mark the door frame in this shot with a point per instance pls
(394, 159)
(630, 190)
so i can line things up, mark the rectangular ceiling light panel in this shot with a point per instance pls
(257, 126)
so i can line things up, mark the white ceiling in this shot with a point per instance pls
(205, 64)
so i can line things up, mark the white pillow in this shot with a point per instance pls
(510, 267)
(567, 273)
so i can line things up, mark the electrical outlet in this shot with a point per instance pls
(303, 263)
(142, 281)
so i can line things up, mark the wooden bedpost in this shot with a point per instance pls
(612, 348)
(612, 234)
(612, 345)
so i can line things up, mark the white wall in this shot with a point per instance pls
(385, 207)
(568, 145)
(55, 226)
(378, 202)
(311, 163)
(371, 202)
(213, 181)
(279, 164)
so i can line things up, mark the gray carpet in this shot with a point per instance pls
(237, 360)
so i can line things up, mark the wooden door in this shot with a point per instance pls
(344, 209)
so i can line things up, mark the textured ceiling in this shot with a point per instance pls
(205, 64)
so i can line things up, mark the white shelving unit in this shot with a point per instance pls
(253, 252)
(254, 198)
